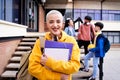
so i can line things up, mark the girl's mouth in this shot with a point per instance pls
(54, 29)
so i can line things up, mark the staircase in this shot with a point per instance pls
(25, 45)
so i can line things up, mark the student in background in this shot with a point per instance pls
(42, 66)
(86, 33)
(69, 27)
(95, 51)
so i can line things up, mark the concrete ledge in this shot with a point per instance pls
(15, 59)
(19, 53)
(9, 74)
(27, 43)
(29, 39)
(23, 48)
(34, 34)
(13, 65)
(8, 29)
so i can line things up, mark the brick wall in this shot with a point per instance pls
(41, 19)
(7, 48)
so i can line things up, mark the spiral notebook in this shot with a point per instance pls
(58, 50)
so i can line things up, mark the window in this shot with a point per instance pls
(9, 10)
(110, 15)
(76, 13)
(16, 11)
(68, 14)
(97, 15)
(92, 15)
(111, 39)
(105, 16)
(117, 17)
(83, 15)
(2, 9)
(32, 15)
(114, 37)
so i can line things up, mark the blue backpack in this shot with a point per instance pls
(106, 43)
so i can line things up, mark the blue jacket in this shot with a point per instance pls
(99, 49)
(69, 32)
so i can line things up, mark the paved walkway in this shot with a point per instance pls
(111, 66)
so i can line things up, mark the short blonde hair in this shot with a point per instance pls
(54, 12)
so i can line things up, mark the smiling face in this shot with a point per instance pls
(55, 23)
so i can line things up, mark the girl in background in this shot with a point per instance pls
(69, 27)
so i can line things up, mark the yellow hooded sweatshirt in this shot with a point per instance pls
(56, 68)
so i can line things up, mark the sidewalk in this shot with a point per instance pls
(111, 66)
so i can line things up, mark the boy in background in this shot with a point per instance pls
(95, 51)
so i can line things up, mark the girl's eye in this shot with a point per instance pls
(58, 21)
(51, 21)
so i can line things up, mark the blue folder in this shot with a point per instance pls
(55, 44)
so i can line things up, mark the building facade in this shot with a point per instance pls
(32, 13)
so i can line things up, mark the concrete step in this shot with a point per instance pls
(23, 48)
(19, 53)
(15, 59)
(34, 34)
(82, 75)
(26, 43)
(29, 39)
(13, 66)
(9, 74)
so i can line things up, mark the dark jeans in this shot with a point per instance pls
(85, 44)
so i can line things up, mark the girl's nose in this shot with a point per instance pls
(55, 24)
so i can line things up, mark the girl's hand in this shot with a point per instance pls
(43, 59)
(65, 77)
